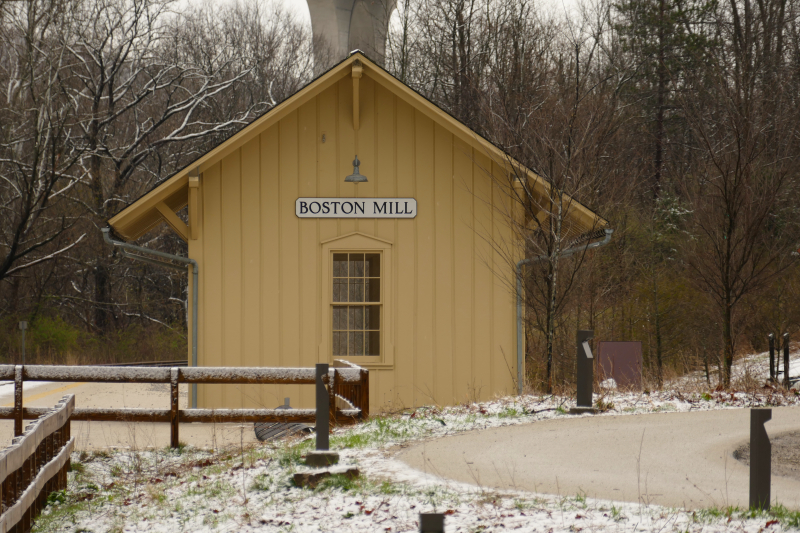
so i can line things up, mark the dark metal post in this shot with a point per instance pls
(431, 523)
(585, 368)
(323, 409)
(760, 459)
(771, 357)
(786, 381)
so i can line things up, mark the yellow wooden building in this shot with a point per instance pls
(408, 274)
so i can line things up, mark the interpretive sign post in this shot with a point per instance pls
(585, 368)
(760, 459)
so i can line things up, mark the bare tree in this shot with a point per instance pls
(560, 123)
(145, 97)
(743, 185)
(35, 162)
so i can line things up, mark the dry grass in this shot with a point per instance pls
(53, 341)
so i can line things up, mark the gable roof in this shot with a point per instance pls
(144, 214)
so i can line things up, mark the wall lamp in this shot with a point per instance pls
(356, 176)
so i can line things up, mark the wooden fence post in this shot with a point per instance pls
(364, 393)
(174, 397)
(332, 394)
(18, 400)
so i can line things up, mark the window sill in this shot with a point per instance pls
(376, 365)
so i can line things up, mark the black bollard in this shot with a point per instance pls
(760, 459)
(786, 381)
(585, 369)
(431, 523)
(771, 357)
(323, 422)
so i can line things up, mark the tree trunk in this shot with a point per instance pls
(550, 333)
(659, 362)
(552, 289)
(727, 343)
(660, 97)
(101, 277)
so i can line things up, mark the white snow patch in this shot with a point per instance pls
(250, 490)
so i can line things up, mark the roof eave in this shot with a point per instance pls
(133, 221)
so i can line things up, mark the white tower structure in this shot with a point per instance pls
(348, 25)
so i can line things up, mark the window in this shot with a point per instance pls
(356, 304)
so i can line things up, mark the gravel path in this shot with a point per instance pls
(673, 459)
(785, 454)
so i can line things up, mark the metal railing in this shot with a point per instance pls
(348, 386)
(34, 466)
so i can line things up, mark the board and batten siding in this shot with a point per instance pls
(264, 280)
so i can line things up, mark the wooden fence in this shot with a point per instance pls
(348, 386)
(34, 466)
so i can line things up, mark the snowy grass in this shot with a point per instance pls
(248, 489)
(251, 489)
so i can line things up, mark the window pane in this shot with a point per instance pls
(339, 343)
(372, 265)
(339, 265)
(351, 344)
(373, 289)
(339, 318)
(340, 290)
(356, 265)
(356, 318)
(372, 317)
(358, 342)
(356, 290)
(373, 343)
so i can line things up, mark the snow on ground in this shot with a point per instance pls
(251, 489)
(748, 371)
(7, 388)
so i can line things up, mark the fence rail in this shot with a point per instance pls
(34, 466)
(346, 382)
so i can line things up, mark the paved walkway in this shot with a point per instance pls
(673, 459)
(122, 435)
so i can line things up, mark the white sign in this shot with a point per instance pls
(356, 207)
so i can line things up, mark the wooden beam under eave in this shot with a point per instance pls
(539, 220)
(173, 221)
(194, 209)
(356, 73)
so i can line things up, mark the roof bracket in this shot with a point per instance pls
(357, 71)
(194, 206)
(174, 222)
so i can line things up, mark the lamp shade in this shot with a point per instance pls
(356, 176)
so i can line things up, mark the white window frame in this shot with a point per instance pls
(357, 243)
